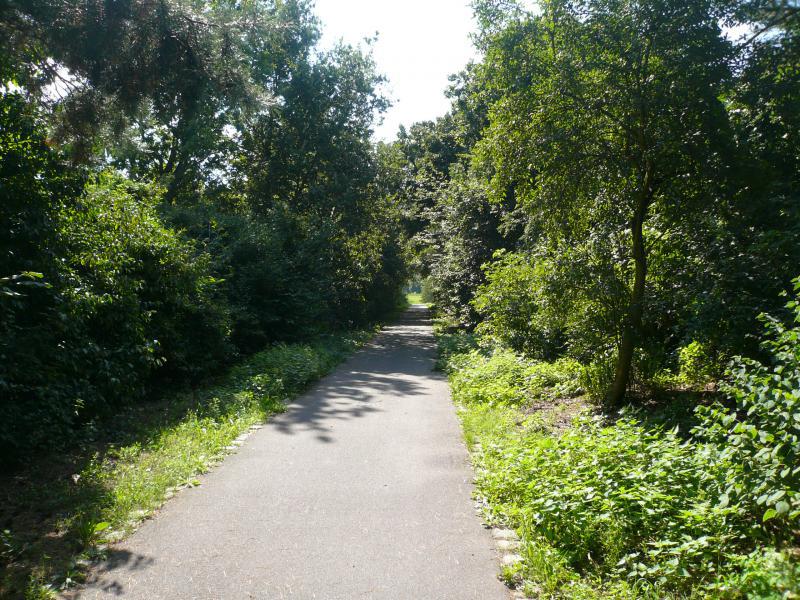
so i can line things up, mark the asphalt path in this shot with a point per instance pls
(361, 489)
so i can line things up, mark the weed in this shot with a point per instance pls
(502, 377)
(10, 548)
(38, 589)
(452, 345)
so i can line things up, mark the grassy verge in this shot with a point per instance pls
(414, 298)
(620, 505)
(58, 514)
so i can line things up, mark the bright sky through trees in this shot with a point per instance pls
(420, 43)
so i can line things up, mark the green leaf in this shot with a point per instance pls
(774, 497)
(102, 526)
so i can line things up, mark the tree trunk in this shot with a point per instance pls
(175, 182)
(632, 325)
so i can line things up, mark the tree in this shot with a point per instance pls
(186, 181)
(610, 126)
(156, 82)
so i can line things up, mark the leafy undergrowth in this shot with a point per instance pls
(622, 506)
(58, 514)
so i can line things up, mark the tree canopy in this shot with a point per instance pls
(637, 158)
(184, 183)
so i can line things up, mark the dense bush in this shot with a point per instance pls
(111, 300)
(465, 230)
(642, 182)
(161, 222)
(132, 279)
(695, 366)
(274, 275)
(121, 299)
(519, 308)
(100, 298)
(621, 502)
(289, 276)
(760, 438)
(498, 379)
(35, 184)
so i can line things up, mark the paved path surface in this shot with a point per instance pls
(360, 490)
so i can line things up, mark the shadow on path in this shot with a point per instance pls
(360, 490)
(357, 387)
(117, 559)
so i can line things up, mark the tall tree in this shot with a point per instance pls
(610, 126)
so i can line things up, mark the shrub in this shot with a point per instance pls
(632, 505)
(504, 378)
(497, 379)
(760, 438)
(122, 299)
(465, 233)
(426, 290)
(764, 574)
(625, 510)
(695, 365)
(554, 379)
(275, 284)
(35, 380)
(516, 303)
(622, 502)
(450, 345)
(135, 283)
(101, 298)
(597, 376)
(290, 276)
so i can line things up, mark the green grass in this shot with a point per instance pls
(59, 513)
(608, 506)
(414, 298)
